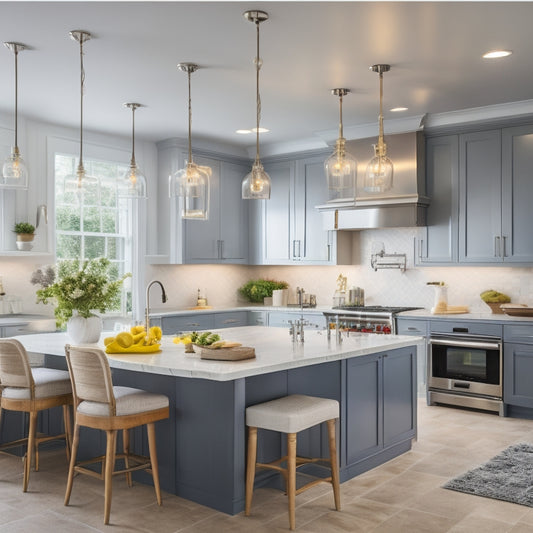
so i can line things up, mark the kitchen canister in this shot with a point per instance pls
(280, 297)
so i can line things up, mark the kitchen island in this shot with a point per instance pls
(201, 447)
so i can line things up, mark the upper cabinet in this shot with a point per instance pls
(495, 194)
(480, 188)
(287, 229)
(223, 238)
(438, 242)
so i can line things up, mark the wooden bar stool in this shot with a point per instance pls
(31, 391)
(290, 415)
(100, 405)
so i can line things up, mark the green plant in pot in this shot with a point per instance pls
(25, 235)
(259, 289)
(77, 289)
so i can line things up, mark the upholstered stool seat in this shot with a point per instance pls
(290, 415)
(32, 390)
(101, 405)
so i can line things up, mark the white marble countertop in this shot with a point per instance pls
(161, 312)
(489, 317)
(274, 350)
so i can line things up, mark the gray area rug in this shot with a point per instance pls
(508, 477)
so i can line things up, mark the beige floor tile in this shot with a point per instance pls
(411, 520)
(475, 523)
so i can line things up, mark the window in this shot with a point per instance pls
(98, 224)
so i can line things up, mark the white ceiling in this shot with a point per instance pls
(434, 49)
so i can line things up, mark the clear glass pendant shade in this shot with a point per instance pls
(192, 185)
(132, 184)
(341, 171)
(379, 172)
(14, 172)
(256, 184)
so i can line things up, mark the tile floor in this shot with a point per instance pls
(401, 496)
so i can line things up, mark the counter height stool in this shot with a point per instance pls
(31, 391)
(290, 415)
(100, 405)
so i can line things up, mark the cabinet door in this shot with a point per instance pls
(364, 413)
(517, 372)
(231, 319)
(480, 197)
(233, 245)
(311, 241)
(517, 194)
(202, 237)
(172, 325)
(399, 396)
(276, 216)
(439, 243)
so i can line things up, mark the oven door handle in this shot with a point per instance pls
(467, 344)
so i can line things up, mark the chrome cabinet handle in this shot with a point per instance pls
(229, 321)
(497, 246)
(504, 252)
(328, 246)
(193, 324)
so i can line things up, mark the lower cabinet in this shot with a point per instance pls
(517, 372)
(380, 403)
(174, 324)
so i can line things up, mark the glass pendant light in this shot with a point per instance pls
(14, 170)
(256, 184)
(379, 171)
(340, 166)
(75, 183)
(192, 182)
(133, 183)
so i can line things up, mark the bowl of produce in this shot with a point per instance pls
(494, 300)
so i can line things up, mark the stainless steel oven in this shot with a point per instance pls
(465, 370)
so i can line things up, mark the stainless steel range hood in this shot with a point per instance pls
(404, 205)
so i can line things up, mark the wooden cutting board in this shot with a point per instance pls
(228, 354)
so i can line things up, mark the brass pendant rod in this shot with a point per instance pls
(341, 133)
(82, 86)
(190, 115)
(258, 96)
(16, 98)
(133, 108)
(380, 139)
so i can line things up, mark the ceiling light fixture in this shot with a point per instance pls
(133, 183)
(192, 182)
(340, 166)
(14, 170)
(497, 54)
(257, 184)
(398, 109)
(243, 132)
(378, 177)
(80, 37)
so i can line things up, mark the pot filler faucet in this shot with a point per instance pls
(163, 299)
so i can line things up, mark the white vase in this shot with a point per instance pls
(280, 297)
(84, 330)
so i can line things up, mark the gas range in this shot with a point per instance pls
(364, 319)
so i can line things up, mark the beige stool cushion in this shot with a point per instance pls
(292, 414)
(48, 382)
(129, 401)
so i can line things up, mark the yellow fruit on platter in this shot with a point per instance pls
(108, 340)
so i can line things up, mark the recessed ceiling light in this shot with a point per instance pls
(243, 132)
(398, 109)
(495, 54)
(261, 130)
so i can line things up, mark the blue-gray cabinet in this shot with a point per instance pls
(223, 238)
(518, 365)
(287, 229)
(380, 404)
(419, 328)
(480, 187)
(438, 241)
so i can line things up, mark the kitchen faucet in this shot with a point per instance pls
(163, 299)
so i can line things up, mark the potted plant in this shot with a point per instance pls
(25, 235)
(257, 290)
(77, 289)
